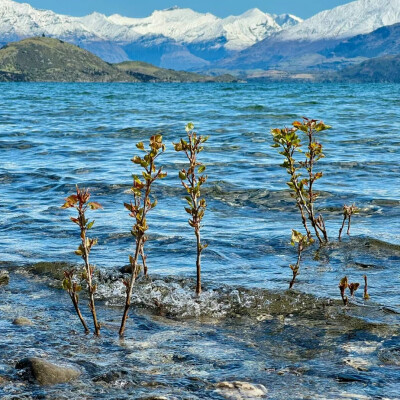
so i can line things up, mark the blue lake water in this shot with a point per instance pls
(53, 136)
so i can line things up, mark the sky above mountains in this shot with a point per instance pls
(221, 8)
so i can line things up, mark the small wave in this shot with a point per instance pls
(175, 298)
(255, 107)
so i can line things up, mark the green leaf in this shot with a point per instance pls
(344, 283)
(189, 127)
(66, 284)
(94, 206)
(70, 201)
(182, 175)
(136, 160)
(146, 175)
(178, 146)
(90, 225)
(128, 206)
(297, 237)
(201, 169)
(74, 220)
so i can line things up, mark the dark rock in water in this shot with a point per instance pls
(241, 390)
(22, 321)
(4, 278)
(46, 373)
(126, 269)
(390, 356)
(113, 376)
(51, 269)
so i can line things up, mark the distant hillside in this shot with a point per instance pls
(383, 41)
(149, 73)
(43, 59)
(380, 69)
(52, 60)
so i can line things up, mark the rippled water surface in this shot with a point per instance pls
(246, 326)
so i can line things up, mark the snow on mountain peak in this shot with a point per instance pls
(183, 25)
(286, 20)
(351, 19)
(252, 13)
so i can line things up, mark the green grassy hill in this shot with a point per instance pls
(51, 60)
(43, 59)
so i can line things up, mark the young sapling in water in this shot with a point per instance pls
(139, 208)
(302, 188)
(366, 295)
(348, 212)
(302, 242)
(73, 288)
(353, 287)
(80, 201)
(192, 181)
(343, 285)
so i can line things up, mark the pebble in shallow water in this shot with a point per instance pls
(241, 390)
(4, 278)
(22, 321)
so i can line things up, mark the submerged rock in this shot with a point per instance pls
(46, 373)
(358, 363)
(4, 381)
(53, 270)
(4, 278)
(237, 390)
(22, 321)
(112, 377)
(390, 356)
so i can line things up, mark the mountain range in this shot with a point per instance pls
(183, 39)
(311, 45)
(173, 37)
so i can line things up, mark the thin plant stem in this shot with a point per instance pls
(341, 228)
(74, 299)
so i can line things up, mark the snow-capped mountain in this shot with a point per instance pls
(181, 38)
(180, 25)
(187, 26)
(351, 19)
(308, 44)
